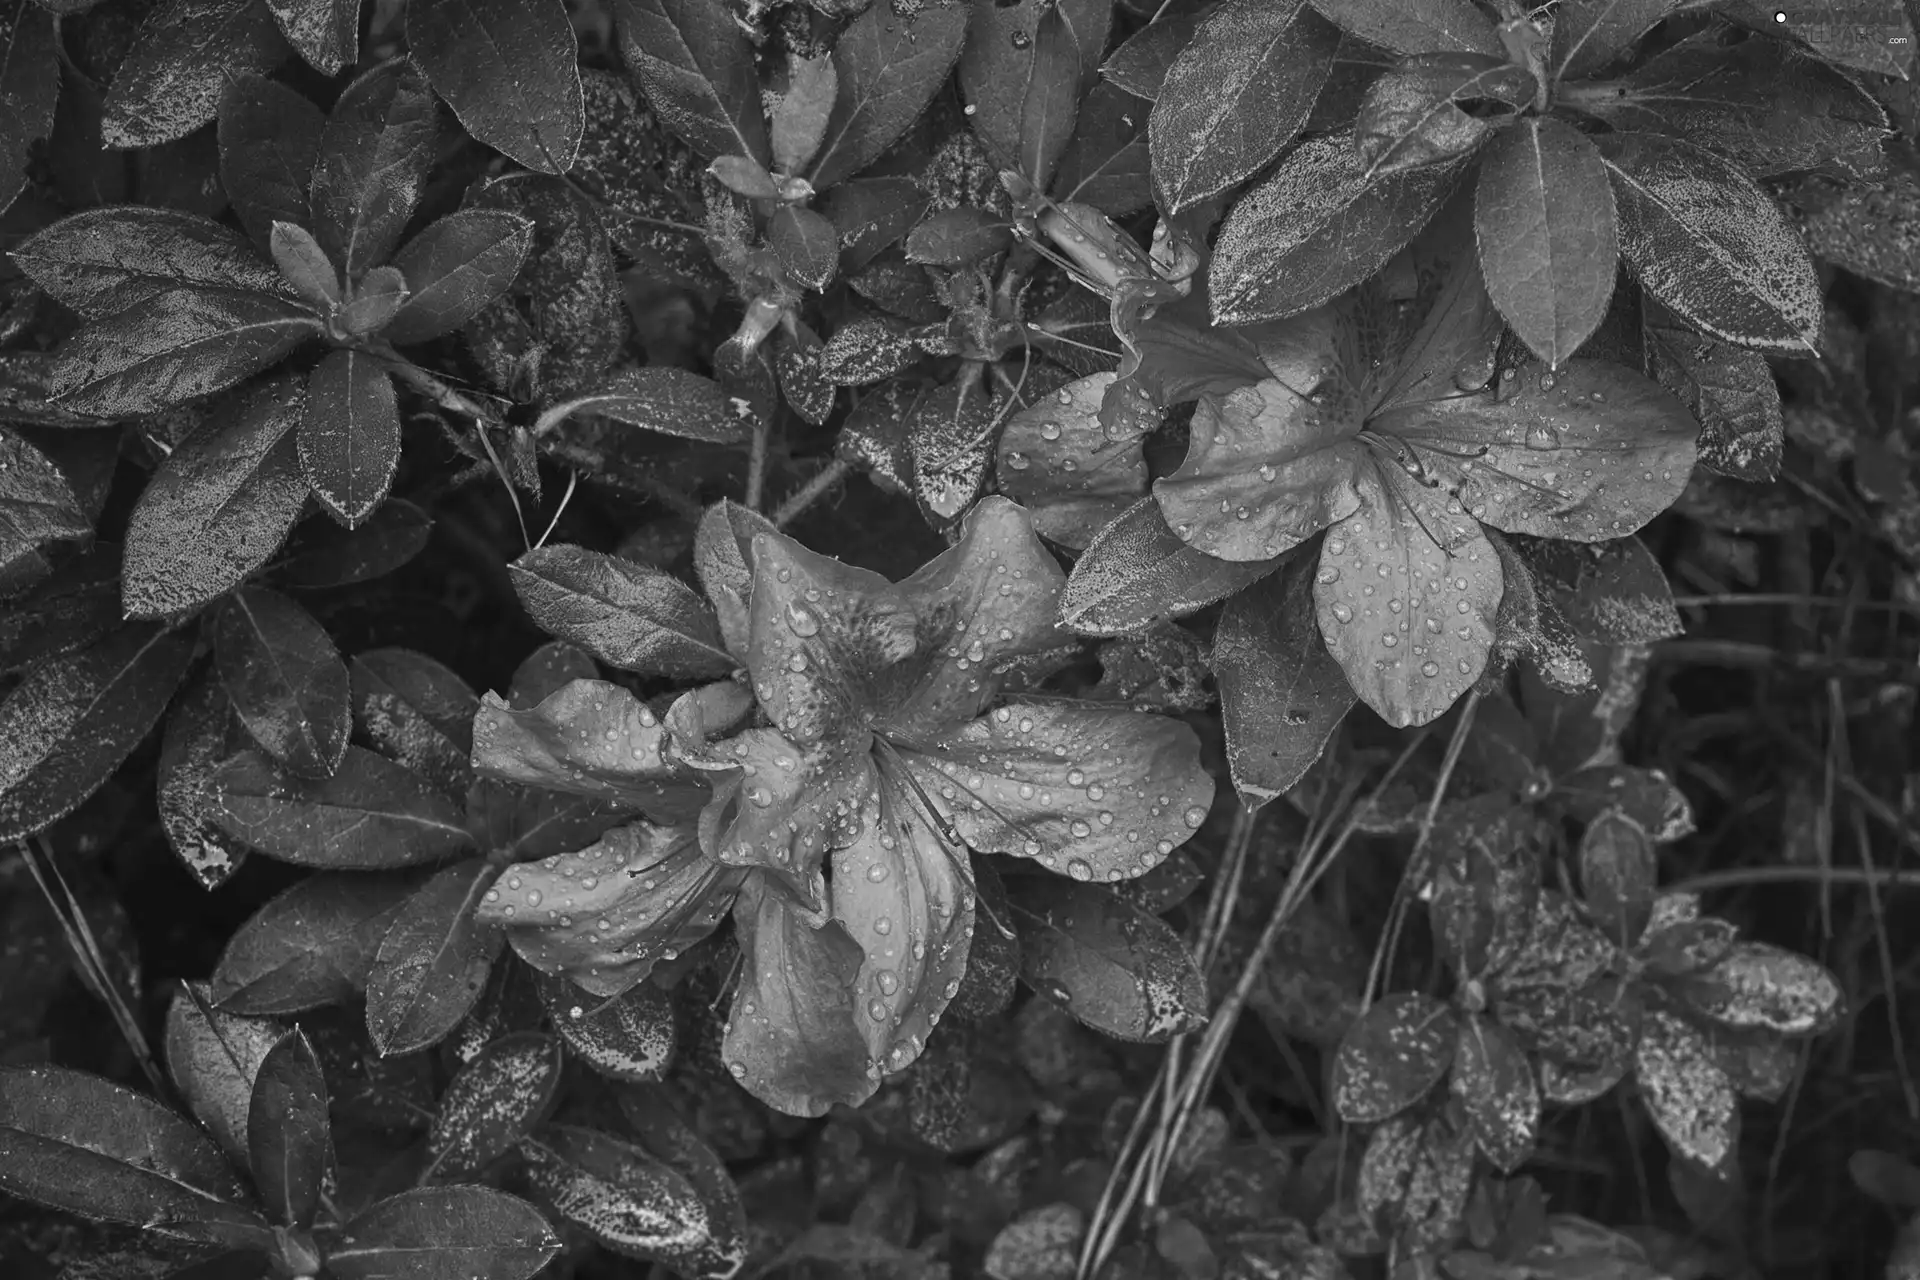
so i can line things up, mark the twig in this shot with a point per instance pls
(1744, 877)
(757, 462)
(811, 492)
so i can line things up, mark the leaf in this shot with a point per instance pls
(371, 814)
(1415, 115)
(1494, 1081)
(350, 435)
(285, 679)
(212, 1058)
(798, 118)
(1415, 26)
(289, 1134)
(1611, 592)
(29, 85)
(71, 721)
(1023, 71)
(433, 962)
(890, 67)
(496, 1100)
(628, 1201)
(1875, 36)
(269, 136)
(444, 1233)
(108, 260)
(175, 346)
(311, 945)
(75, 606)
(1112, 966)
(1706, 241)
(418, 712)
(1135, 571)
(670, 401)
(80, 1143)
(1398, 1050)
(380, 140)
(455, 267)
(36, 504)
(872, 214)
(1589, 34)
(1317, 226)
(1108, 165)
(697, 70)
(326, 33)
(626, 614)
(958, 237)
(1140, 64)
(1756, 985)
(1729, 390)
(1688, 1095)
(628, 1037)
(304, 265)
(185, 53)
(1281, 695)
(201, 734)
(325, 555)
(510, 71)
(1618, 874)
(1041, 1244)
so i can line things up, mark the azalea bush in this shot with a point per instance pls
(1055, 639)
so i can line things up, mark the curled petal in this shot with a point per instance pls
(603, 915)
(1099, 794)
(785, 808)
(590, 738)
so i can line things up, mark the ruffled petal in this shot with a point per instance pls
(1056, 459)
(591, 738)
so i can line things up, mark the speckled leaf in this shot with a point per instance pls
(1385, 1165)
(418, 712)
(1589, 34)
(630, 1037)
(284, 678)
(1688, 1095)
(444, 1233)
(1415, 26)
(671, 401)
(1398, 1050)
(37, 504)
(627, 614)
(1731, 392)
(1056, 461)
(1561, 951)
(697, 69)
(1486, 883)
(1872, 35)
(872, 214)
(1428, 1214)
(806, 244)
(309, 946)
(70, 722)
(454, 267)
(1872, 230)
(1756, 985)
(510, 71)
(105, 261)
(200, 735)
(269, 135)
(493, 1102)
(326, 33)
(380, 139)
(1618, 874)
(350, 435)
(1115, 968)
(432, 963)
(212, 1058)
(29, 86)
(1416, 114)
(186, 51)
(289, 1134)
(1612, 592)
(1705, 240)
(1762, 1064)
(372, 813)
(890, 66)
(1043, 1243)
(1136, 571)
(621, 755)
(629, 1201)
(1494, 1081)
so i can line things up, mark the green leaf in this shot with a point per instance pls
(73, 607)
(1415, 26)
(1399, 1049)
(1688, 1095)
(1872, 230)
(510, 70)
(659, 398)
(108, 260)
(1760, 986)
(1023, 71)
(349, 435)
(697, 69)
(326, 33)
(418, 712)
(185, 53)
(872, 214)
(1589, 34)
(1109, 964)
(958, 237)
(381, 138)
(494, 1101)
(1136, 571)
(269, 135)
(1055, 460)
(1612, 592)
(372, 813)
(325, 555)
(1872, 35)
(1139, 66)
(212, 1058)
(433, 962)
(201, 734)
(890, 67)
(1486, 883)
(629, 1201)
(629, 1037)
(625, 613)
(1618, 875)
(37, 505)
(1415, 114)
(304, 265)
(1494, 1081)
(285, 679)
(309, 946)
(798, 118)
(1108, 165)
(1729, 390)
(444, 1233)
(289, 1134)
(374, 300)
(1706, 241)
(70, 722)
(454, 268)
(30, 82)
(1544, 215)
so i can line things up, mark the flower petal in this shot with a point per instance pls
(1100, 794)
(791, 1037)
(1409, 619)
(603, 915)
(1056, 459)
(785, 808)
(591, 738)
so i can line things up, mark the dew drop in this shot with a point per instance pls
(1342, 613)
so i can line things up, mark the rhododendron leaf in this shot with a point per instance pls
(1136, 571)
(630, 1037)
(720, 548)
(1109, 964)
(1495, 1082)
(793, 1037)
(1689, 1096)
(1390, 1057)
(1056, 459)
(1414, 115)
(1099, 794)
(1756, 985)
(785, 808)
(1486, 883)
(591, 738)
(604, 915)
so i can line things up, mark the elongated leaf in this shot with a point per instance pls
(1589, 34)
(629, 1037)
(324, 32)
(1872, 35)
(1136, 570)
(1023, 71)
(212, 1057)
(285, 679)
(624, 613)
(29, 86)
(1389, 1059)
(444, 1233)
(496, 1100)
(269, 136)
(418, 712)
(1415, 26)
(432, 963)
(1107, 165)
(201, 735)
(510, 71)
(1544, 216)
(186, 52)
(671, 401)
(1495, 1082)
(1111, 965)
(373, 158)
(372, 813)
(890, 67)
(67, 726)
(456, 267)
(37, 505)
(104, 261)
(1415, 114)
(806, 244)
(631, 1202)
(350, 435)
(83, 1144)
(289, 1134)
(1140, 65)
(77, 605)
(310, 946)
(698, 72)
(325, 555)
(1688, 1095)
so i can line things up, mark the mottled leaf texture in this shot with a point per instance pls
(1709, 243)
(629, 1201)
(284, 678)
(349, 435)
(418, 712)
(626, 614)
(212, 1058)
(324, 32)
(1136, 571)
(697, 69)
(380, 140)
(201, 733)
(372, 813)
(81, 1143)
(310, 946)
(1543, 212)
(104, 261)
(175, 346)
(289, 1136)
(184, 55)
(495, 1100)
(444, 1233)
(432, 963)
(29, 88)
(671, 401)
(219, 506)
(1689, 1096)
(806, 244)
(1109, 964)
(510, 71)
(1281, 694)
(455, 267)
(1397, 1051)
(890, 67)
(37, 505)
(1729, 390)
(1023, 72)
(1416, 114)
(1756, 985)
(1589, 34)
(1415, 26)
(1494, 1081)
(1618, 875)
(67, 726)
(269, 136)
(1317, 226)
(628, 1037)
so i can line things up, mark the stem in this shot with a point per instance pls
(431, 387)
(757, 462)
(811, 492)
(1741, 877)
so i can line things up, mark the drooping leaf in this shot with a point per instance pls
(626, 614)
(349, 435)
(284, 678)
(105, 261)
(890, 66)
(1688, 1095)
(1611, 592)
(1756, 985)
(1136, 570)
(324, 32)
(444, 1233)
(71, 721)
(493, 1102)
(269, 136)
(1731, 392)
(186, 52)
(630, 1202)
(1415, 115)
(289, 1134)
(372, 813)
(455, 267)
(510, 71)
(697, 69)
(1495, 1082)
(629, 1037)
(671, 401)
(212, 1058)
(1112, 966)
(1397, 1051)
(380, 139)
(433, 962)
(1415, 26)
(418, 712)
(29, 85)
(310, 946)
(323, 554)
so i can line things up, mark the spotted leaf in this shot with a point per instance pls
(1389, 1059)
(628, 1037)
(629, 1201)
(1689, 1096)
(1494, 1081)
(1760, 986)
(1137, 571)
(493, 1102)
(1112, 966)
